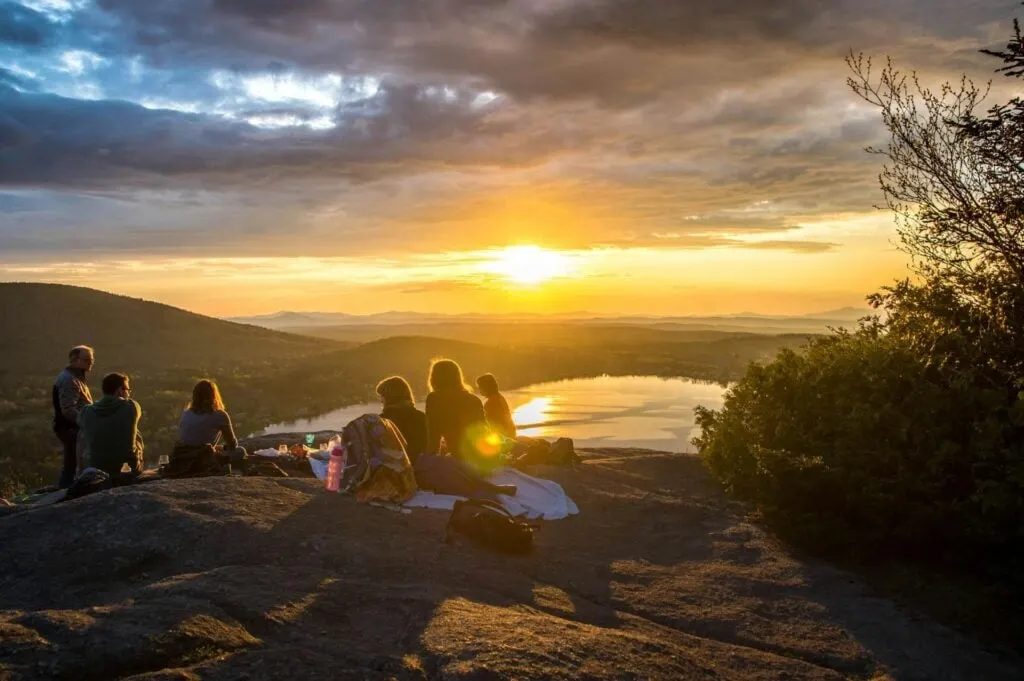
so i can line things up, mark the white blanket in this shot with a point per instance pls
(535, 498)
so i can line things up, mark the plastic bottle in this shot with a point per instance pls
(335, 467)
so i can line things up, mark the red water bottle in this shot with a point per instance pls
(335, 468)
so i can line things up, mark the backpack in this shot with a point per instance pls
(563, 453)
(91, 480)
(489, 525)
(543, 453)
(376, 465)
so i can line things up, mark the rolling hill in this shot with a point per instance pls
(518, 334)
(269, 376)
(383, 324)
(42, 321)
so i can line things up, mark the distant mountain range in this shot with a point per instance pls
(292, 320)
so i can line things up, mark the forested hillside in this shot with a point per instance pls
(270, 377)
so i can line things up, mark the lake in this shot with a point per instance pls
(607, 411)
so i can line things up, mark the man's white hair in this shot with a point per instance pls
(80, 350)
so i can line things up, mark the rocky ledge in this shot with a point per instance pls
(238, 579)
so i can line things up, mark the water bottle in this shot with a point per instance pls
(335, 468)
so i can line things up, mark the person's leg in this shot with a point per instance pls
(80, 463)
(69, 444)
(449, 475)
(237, 458)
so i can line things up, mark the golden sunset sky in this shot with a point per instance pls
(641, 157)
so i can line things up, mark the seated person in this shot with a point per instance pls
(434, 472)
(454, 414)
(110, 430)
(499, 416)
(205, 422)
(400, 408)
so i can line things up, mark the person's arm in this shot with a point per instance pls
(477, 410)
(70, 395)
(83, 421)
(434, 426)
(138, 446)
(497, 415)
(228, 433)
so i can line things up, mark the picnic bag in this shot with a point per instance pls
(489, 525)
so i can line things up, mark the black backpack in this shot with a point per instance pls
(489, 525)
(89, 482)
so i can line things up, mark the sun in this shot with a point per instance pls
(530, 265)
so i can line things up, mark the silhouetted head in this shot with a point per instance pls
(116, 385)
(445, 376)
(487, 384)
(395, 391)
(206, 398)
(81, 357)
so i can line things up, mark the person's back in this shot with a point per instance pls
(454, 415)
(198, 428)
(412, 424)
(206, 439)
(499, 416)
(70, 394)
(110, 429)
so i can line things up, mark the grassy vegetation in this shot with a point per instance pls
(271, 377)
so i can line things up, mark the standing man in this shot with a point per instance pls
(70, 395)
(110, 430)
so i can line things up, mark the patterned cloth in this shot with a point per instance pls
(376, 465)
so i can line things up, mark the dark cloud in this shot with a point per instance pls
(12, 132)
(656, 24)
(400, 130)
(20, 25)
(611, 51)
(660, 117)
(11, 79)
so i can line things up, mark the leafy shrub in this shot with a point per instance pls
(859, 443)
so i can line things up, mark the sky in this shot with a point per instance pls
(673, 157)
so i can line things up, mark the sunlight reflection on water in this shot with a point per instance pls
(607, 411)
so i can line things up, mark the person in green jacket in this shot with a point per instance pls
(110, 429)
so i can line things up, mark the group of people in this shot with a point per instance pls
(450, 445)
(455, 441)
(105, 434)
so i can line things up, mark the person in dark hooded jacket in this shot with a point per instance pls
(110, 430)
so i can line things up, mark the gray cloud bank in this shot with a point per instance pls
(672, 116)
